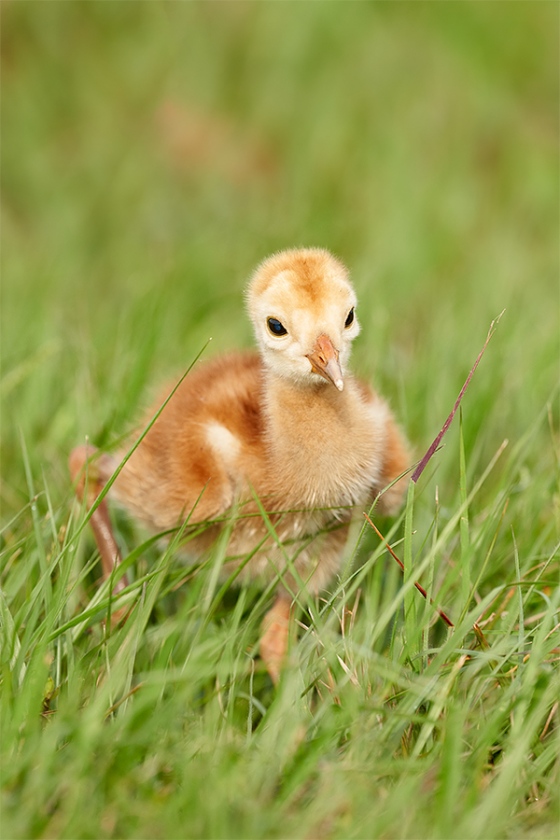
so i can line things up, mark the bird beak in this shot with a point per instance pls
(324, 361)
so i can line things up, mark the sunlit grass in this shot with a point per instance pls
(152, 154)
(368, 705)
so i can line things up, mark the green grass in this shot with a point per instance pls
(152, 154)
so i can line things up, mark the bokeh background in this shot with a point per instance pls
(154, 153)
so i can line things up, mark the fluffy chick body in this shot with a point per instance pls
(313, 449)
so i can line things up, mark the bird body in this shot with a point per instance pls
(287, 431)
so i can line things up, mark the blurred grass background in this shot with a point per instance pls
(153, 153)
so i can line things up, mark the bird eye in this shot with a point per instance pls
(275, 327)
(349, 318)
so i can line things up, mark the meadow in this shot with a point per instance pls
(152, 154)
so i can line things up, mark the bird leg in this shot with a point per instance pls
(275, 636)
(89, 483)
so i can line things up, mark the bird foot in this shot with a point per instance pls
(275, 637)
(89, 476)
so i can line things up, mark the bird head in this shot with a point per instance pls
(302, 307)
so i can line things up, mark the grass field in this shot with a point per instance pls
(152, 155)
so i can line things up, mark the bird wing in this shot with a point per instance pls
(204, 443)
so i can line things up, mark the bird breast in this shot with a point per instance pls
(326, 447)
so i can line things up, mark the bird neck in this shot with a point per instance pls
(298, 409)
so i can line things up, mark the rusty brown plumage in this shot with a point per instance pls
(289, 425)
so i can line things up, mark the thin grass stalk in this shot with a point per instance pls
(436, 442)
(465, 561)
(41, 553)
(410, 611)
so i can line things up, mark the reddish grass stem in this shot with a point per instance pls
(424, 462)
(420, 588)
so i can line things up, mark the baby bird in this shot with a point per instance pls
(288, 429)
